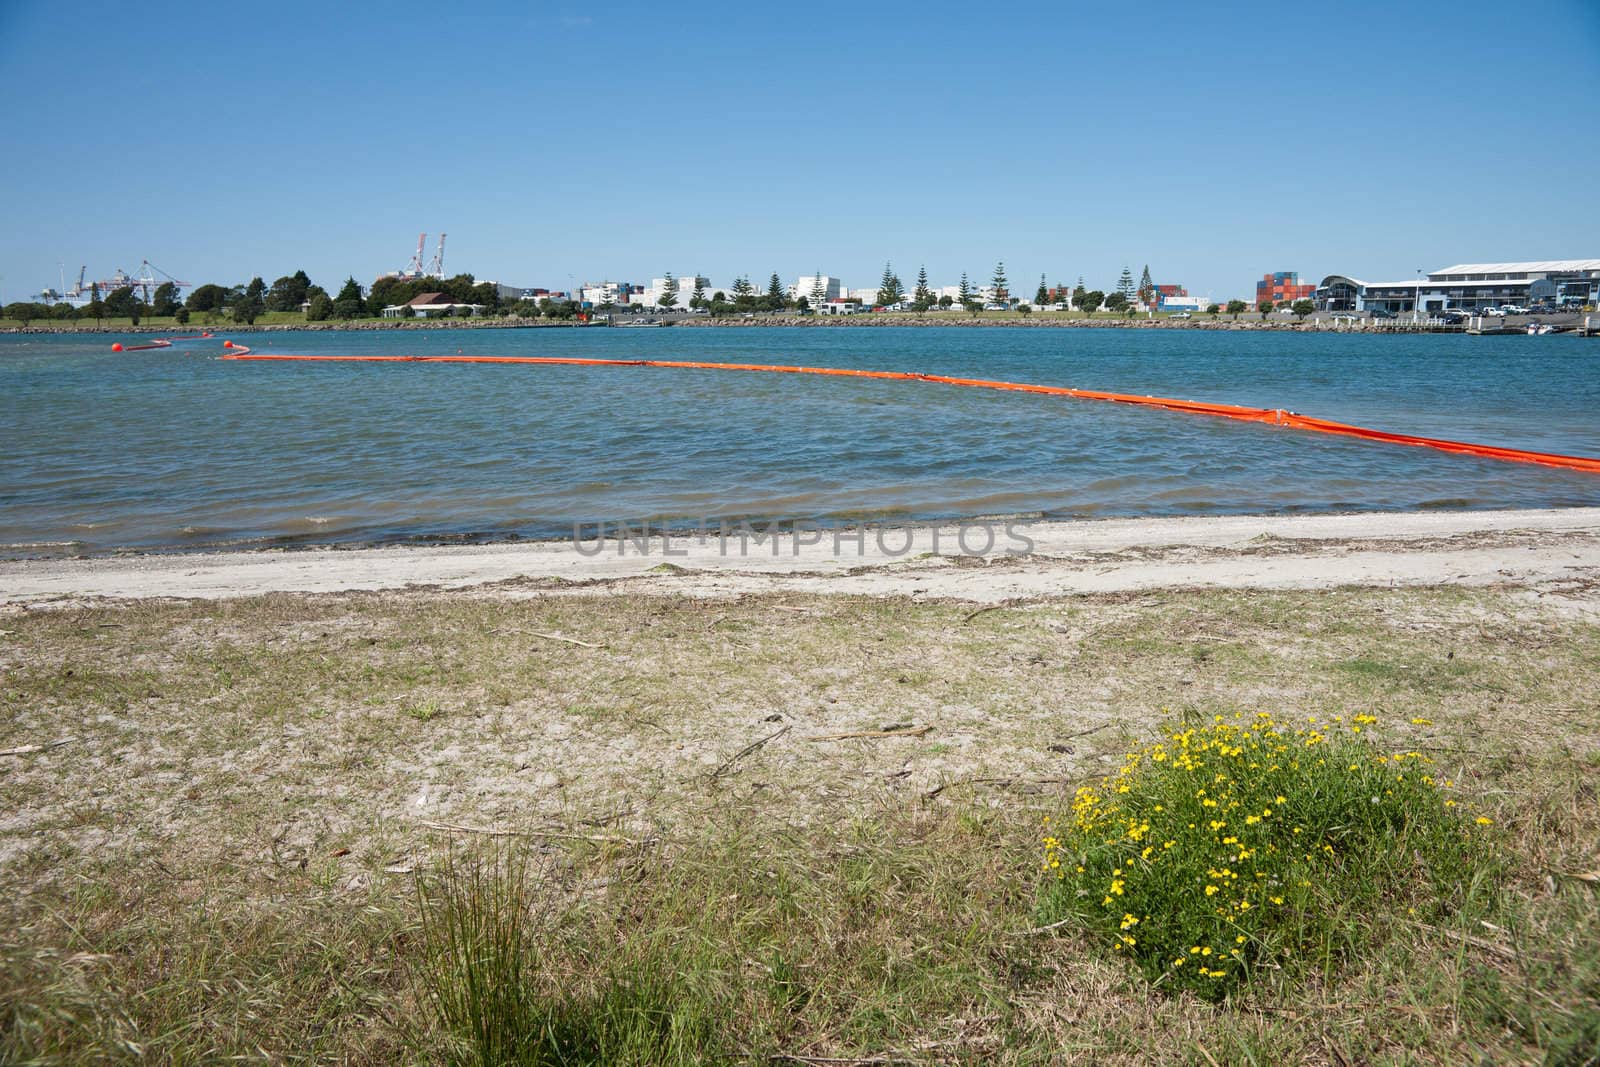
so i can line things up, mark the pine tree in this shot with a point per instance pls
(999, 283)
(698, 298)
(1042, 297)
(775, 289)
(889, 290)
(669, 297)
(923, 296)
(819, 291)
(964, 291)
(1147, 289)
(1125, 285)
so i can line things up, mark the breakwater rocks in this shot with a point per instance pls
(963, 321)
(1026, 322)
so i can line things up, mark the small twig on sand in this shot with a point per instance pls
(547, 637)
(843, 1061)
(746, 750)
(936, 790)
(909, 731)
(489, 831)
(969, 616)
(1086, 733)
(1042, 929)
(28, 750)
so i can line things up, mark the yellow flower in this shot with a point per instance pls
(1421, 722)
(1484, 821)
(1211, 890)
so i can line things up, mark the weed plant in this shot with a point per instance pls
(1245, 845)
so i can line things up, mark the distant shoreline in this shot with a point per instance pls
(864, 321)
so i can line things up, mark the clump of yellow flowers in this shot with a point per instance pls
(1248, 841)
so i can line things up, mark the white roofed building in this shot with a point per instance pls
(1470, 286)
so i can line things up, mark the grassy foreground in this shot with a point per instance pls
(264, 837)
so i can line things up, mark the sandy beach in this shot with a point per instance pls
(1549, 551)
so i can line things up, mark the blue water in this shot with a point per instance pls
(174, 449)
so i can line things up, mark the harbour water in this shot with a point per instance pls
(174, 449)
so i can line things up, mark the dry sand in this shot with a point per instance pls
(1549, 552)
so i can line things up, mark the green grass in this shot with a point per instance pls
(233, 858)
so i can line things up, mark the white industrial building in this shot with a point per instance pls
(807, 287)
(651, 296)
(1470, 286)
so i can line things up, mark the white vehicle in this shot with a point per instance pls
(1498, 313)
(1513, 309)
(1182, 315)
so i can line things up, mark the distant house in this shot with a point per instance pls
(429, 305)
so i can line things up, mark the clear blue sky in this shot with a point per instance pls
(568, 142)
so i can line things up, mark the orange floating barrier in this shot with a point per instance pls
(1271, 416)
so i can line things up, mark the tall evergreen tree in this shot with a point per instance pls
(923, 296)
(889, 290)
(775, 290)
(999, 282)
(963, 291)
(1147, 288)
(347, 305)
(698, 297)
(1125, 285)
(819, 292)
(669, 297)
(741, 287)
(1042, 297)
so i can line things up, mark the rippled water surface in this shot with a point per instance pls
(176, 449)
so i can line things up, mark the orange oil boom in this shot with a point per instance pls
(1271, 416)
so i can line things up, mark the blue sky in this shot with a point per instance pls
(564, 142)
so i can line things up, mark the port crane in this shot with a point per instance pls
(436, 268)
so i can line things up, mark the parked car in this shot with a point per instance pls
(1181, 315)
(1455, 315)
(1513, 309)
(1498, 313)
(1379, 313)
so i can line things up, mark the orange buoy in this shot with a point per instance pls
(227, 344)
(117, 347)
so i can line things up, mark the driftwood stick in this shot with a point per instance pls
(746, 750)
(490, 831)
(28, 750)
(909, 731)
(551, 637)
